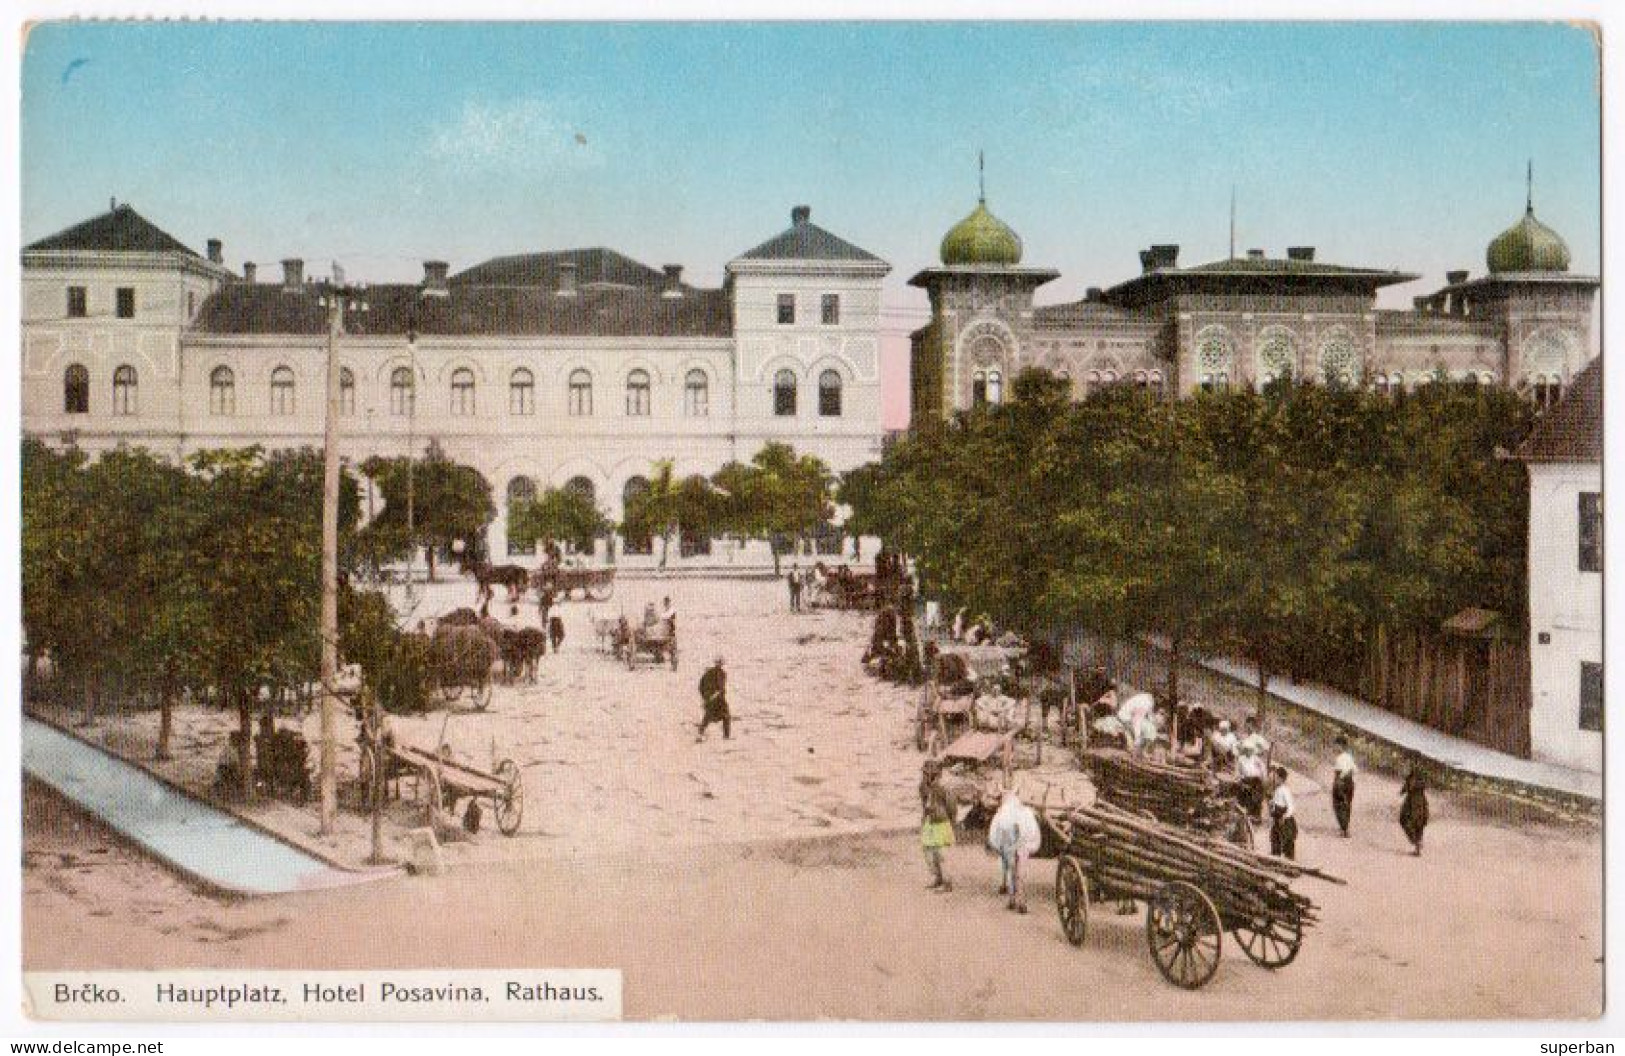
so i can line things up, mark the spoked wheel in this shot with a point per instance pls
(1072, 899)
(1272, 941)
(1185, 935)
(448, 695)
(511, 807)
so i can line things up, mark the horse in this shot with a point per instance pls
(488, 576)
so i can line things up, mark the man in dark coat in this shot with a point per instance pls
(714, 700)
(1413, 812)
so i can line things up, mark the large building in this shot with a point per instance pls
(1244, 321)
(577, 368)
(1564, 455)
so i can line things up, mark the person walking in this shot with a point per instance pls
(1413, 812)
(1283, 817)
(793, 579)
(1343, 785)
(936, 823)
(714, 700)
(555, 631)
(1015, 836)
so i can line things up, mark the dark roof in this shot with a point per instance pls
(1253, 275)
(268, 308)
(121, 229)
(805, 240)
(542, 269)
(1084, 312)
(1571, 431)
(1278, 266)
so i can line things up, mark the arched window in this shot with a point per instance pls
(697, 394)
(978, 389)
(1339, 362)
(829, 394)
(462, 392)
(643, 544)
(520, 490)
(995, 387)
(521, 392)
(1277, 357)
(1547, 390)
(76, 390)
(346, 391)
(1215, 361)
(402, 392)
(637, 394)
(282, 391)
(784, 393)
(222, 391)
(580, 393)
(124, 390)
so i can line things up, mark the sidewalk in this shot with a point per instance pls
(1441, 748)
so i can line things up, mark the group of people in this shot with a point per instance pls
(1014, 835)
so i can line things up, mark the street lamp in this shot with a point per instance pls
(337, 298)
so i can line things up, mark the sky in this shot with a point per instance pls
(378, 145)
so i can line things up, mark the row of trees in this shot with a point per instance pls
(1282, 526)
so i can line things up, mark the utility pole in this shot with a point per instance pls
(336, 298)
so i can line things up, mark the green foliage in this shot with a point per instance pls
(777, 496)
(558, 513)
(450, 502)
(1282, 526)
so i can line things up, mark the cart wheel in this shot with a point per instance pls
(511, 807)
(480, 696)
(1183, 930)
(1272, 941)
(1072, 899)
(448, 695)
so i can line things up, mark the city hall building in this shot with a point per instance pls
(575, 368)
(1525, 324)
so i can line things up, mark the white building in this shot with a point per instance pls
(577, 367)
(1564, 455)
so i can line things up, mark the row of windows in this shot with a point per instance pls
(829, 309)
(403, 392)
(123, 302)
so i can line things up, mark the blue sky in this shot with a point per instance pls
(380, 145)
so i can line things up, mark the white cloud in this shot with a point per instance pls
(517, 135)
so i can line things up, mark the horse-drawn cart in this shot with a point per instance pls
(450, 782)
(1195, 889)
(653, 642)
(595, 584)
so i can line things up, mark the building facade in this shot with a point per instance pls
(578, 368)
(1564, 456)
(1525, 324)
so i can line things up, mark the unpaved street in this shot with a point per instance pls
(778, 875)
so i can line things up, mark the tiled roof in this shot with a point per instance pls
(805, 240)
(267, 308)
(1277, 266)
(542, 269)
(1081, 313)
(121, 229)
(1571, 431)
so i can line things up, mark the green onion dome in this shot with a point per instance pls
(1528, 245)
(981, 238)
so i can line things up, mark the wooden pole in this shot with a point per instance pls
(328, 761)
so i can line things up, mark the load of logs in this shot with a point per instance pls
(1175, 793)
(1130, 856)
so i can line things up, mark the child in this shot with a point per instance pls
(1343, 785)
(1413, 812)
(937, 825)
(1283, 817)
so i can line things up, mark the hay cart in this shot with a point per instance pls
(1195, 889)
(460, 661)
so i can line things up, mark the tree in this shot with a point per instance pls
(450, 502)
(557, 513)
(778, 495)
(657, 510)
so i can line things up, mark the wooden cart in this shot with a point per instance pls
(1195, 889)
(653, 642)
(450, 782)
(595, 584)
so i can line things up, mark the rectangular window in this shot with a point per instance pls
(1591, 697)
(830, 309)
(126, 302)
(76, 302)
(787, 309)
(1590, 531)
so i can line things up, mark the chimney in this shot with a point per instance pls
(250, 271)
(1455, 277)
(293, 275)
(1092, 294)
(567, 278)
(434, 278)
(214, 251)
(801, 214)
(1303, 253)
(1255, 254)
(674, 281)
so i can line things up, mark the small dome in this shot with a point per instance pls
(981, 238)
(1527, 245)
